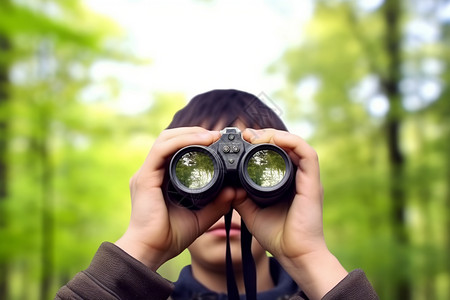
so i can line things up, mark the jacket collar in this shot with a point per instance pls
(188, 288)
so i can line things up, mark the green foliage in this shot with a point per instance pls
(266, 168)
(344, 58)
(68, 161)
(195, 169)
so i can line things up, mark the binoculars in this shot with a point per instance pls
(198, 173)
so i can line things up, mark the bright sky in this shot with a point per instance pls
(195, 45)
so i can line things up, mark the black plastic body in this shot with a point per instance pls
(230, 155)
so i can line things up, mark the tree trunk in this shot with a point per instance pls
(446, 207)
(446, 136)
(47, 214)
(45, 115)
(390, 81)
(445, 113)
(4, 82)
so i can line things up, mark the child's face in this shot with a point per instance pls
(209, 248)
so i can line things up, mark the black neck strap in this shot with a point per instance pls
(248, 263)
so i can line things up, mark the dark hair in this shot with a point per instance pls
(227, 107)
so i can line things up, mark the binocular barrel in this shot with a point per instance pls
(198, 173)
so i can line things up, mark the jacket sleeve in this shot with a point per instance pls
(113, 274)
(354, 286)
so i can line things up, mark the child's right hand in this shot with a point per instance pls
(158, 230)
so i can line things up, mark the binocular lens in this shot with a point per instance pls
(266, 168)
(195, 169)
(198, 173)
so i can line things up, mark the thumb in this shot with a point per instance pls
(208, 215)
(247, 209)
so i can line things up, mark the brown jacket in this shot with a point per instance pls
(113, 274)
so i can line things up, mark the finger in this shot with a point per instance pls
(308, 159)
(169, 143)
(247, 209)
(257, 136)
(212, 212)
(176, 132)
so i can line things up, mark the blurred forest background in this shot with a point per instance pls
(367, 87)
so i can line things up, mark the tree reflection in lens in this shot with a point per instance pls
(195, 169)
(266, 168)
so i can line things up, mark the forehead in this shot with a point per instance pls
(238, 123)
